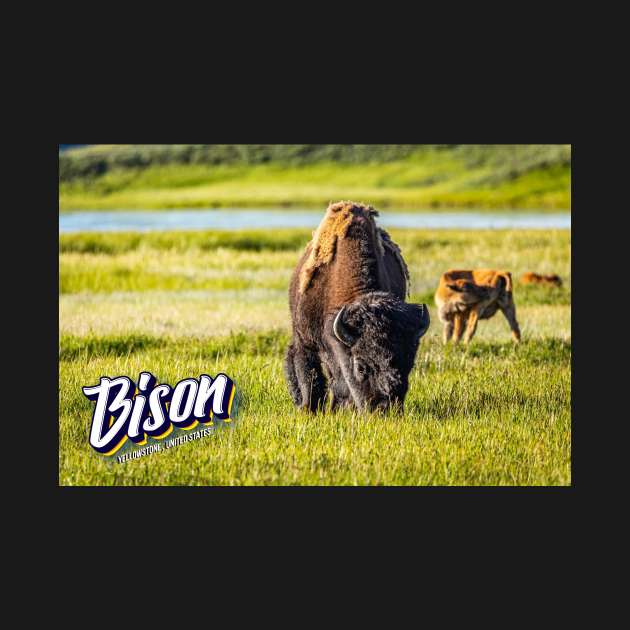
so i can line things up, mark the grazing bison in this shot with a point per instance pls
(465, 296)
(535, 278)
(354, 337)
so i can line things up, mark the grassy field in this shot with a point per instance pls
(532, 176)
(180, 304)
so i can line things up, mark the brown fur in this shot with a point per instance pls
(394, 252)
(464, 296)
(352, 263)
(535, 278)
(334, 268)
(333, 228)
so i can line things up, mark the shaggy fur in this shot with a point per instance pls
(334, 226)
(353, 269)
(465, 296)
(394, 251)
(535, 278)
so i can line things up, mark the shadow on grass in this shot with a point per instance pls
(271, 343)
(72, 347)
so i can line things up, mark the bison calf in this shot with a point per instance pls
(354, 337)
(536, 278)
(465, 296)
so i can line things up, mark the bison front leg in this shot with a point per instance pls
(471, 326)
(291, 376)
(510, 314)
(310, 389)
(459, 322)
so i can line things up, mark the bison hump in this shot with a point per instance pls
(333, 227)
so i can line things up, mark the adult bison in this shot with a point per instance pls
(465, 296)
(354, 337)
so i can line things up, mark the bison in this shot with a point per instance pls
(465, 296)
(354, 337)
(535, 278)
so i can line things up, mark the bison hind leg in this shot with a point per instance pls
(471, 325)
(461, 322)
(447, 320)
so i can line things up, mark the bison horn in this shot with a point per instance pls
(340, 329)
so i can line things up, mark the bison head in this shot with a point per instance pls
(376, 339)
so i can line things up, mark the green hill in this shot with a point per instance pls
(405, 176)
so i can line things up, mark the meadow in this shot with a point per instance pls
(185, 303)
(401, 176)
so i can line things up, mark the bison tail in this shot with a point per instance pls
(505, 278)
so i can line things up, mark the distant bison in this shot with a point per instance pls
(465, 296)
(354, 337)
(535, 278)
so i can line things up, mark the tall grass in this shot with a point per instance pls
(182, 304)
(490, 415)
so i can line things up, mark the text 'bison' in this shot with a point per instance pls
(354, 337)
(465, 296)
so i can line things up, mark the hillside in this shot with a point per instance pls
(404, 176)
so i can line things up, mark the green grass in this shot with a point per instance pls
(466, 177)
(489, 414)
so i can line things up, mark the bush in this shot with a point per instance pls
(505, 161)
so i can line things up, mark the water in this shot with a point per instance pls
(236, 219)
